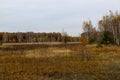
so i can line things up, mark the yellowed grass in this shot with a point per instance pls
(55, 63)
(49, 52)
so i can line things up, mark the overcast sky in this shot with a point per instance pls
(52, 15)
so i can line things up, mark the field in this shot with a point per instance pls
(59, 62)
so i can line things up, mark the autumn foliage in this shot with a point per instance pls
(108, 27)
(83, 41)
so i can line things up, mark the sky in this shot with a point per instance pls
(52, 15)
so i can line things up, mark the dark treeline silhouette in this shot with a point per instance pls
(19, 37)
(108, 31)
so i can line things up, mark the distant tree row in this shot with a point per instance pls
(20, 37)
(108, 31)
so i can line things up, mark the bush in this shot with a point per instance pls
(91, 40)
(99, 45)
(106, 38)
(1, 43)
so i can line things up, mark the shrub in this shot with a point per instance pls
(91, 40)
(1, 43)
(99, 45)
(106, 38)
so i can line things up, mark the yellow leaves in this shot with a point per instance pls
(83, 41)
(86, 26)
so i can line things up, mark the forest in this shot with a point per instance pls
(20, 37)
(108, 31)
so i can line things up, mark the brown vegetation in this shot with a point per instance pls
(27, 37)
(42, 62)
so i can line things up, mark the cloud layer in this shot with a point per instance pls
(52, 15)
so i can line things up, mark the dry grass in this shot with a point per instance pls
(59, 63)
(49, 52)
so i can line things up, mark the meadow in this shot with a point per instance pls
(59, 62)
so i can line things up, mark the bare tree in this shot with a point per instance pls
(64, 36)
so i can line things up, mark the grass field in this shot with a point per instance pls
(59, 62)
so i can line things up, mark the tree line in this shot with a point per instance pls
(19, 37)
(108, 31)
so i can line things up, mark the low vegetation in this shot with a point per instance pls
(1, 43)
(59, 62)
